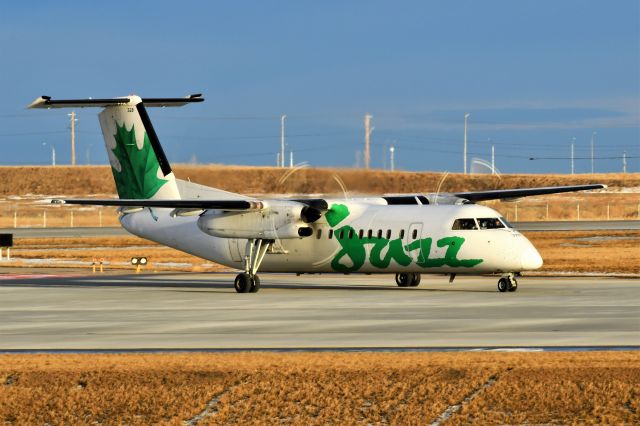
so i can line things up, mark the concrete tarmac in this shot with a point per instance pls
(183, 311)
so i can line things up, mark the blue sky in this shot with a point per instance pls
(532, 74)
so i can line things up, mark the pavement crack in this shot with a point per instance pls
(212, 406)
(452, 409)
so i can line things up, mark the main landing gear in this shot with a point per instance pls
(248, 281)
(507, 282)
(408, 279)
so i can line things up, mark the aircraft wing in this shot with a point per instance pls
(501, 194)
(170, 204)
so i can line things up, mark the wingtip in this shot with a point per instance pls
(39, 102)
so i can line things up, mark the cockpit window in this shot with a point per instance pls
(506, 222)
(490, 223)
(464, 224)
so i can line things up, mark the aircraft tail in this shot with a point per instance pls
(140, 167)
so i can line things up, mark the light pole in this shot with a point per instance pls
(464, 154)
(282, 118)
(53, 153)
(392, 149)
(593, 135)
(367, 139)
(493, 159)
(73, 119)
(573, 141)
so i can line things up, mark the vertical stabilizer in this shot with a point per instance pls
(139, 165)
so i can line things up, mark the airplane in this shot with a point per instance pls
(403, 234)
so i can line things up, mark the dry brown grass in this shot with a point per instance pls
(84, 180)
(33, 183)
(610, 252)
(589, 251)
(116, 252)
(321, 388)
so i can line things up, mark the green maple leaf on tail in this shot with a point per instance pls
(138, 177)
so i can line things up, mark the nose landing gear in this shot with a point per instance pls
(408, 279)
(507, 282)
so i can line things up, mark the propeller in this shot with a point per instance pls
(313, 209)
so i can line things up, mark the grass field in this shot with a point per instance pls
(22, 188)
(321, 388)
(575, 251)
(85, 180)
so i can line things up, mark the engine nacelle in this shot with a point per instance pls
(277, 221)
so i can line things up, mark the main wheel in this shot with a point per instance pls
(255, 284)
(242, 283)
(403, 279)
(513, 285)
(503, 285)
(415, 279)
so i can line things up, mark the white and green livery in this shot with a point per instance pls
(406, 235)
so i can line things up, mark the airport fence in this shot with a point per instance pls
(27, 215)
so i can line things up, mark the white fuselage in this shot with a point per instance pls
(368, 238)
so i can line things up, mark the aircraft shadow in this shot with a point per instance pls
(226, 283)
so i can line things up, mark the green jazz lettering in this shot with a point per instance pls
(352, 254)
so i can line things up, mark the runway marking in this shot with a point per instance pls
(212, 406)
(452, 409)
(32, 276)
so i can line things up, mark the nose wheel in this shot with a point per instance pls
(408, 279)
(507, 283)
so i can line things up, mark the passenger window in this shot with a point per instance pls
(319, 233)
(414, 234)
(490, 223)
(351, 234)
(388, 234)
(464, 224)
(330, 233)
(360, 234)
(341, 233)
(379, 233)
(401, 233)
(369, 233)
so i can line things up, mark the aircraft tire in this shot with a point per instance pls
(415, 279)
(503, 285)
(242, 284)
(255, 284)
(404, 279)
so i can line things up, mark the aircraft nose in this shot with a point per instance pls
(530, 258)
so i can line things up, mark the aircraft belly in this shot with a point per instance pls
(180, 233)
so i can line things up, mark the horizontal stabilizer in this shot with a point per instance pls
(46, 102)
(502, 194)
(170, 204)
